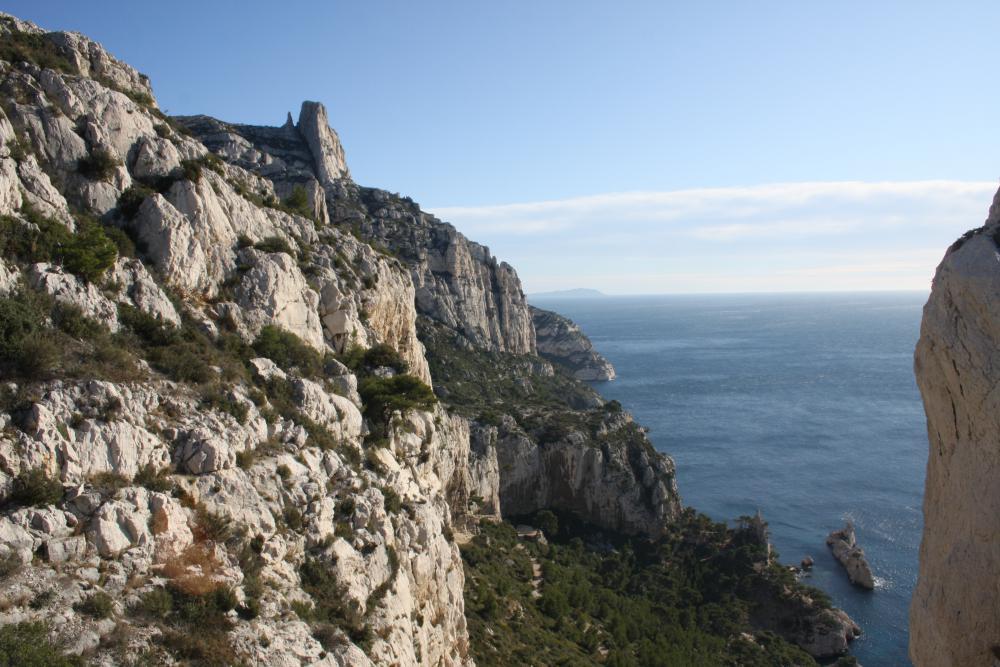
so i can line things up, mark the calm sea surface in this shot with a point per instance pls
(803, 406)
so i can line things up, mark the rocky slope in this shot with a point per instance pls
(955, 611)
(218, 442)
(561, 340)
(187, 468)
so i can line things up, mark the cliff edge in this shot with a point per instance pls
(955, 612)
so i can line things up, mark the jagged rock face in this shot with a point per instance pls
(458, 282)
(266, 476)
(955, 610)
(561, 340)
(616, 481)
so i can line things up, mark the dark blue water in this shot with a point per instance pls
(803, 406)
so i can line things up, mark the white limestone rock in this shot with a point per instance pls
(274, 292)
(848, 553)
(67, 288)
(324, 143)
(136, 287)
(955, 610)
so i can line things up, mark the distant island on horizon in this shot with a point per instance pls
(576, 293)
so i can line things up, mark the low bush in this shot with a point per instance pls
(384, 356)
(383, 396)
(89, 252)
(28, 645)
(99, 605)
(131, 200)
(298, 202)
(99, 165)
(35, 487)
(18, 47)
(154, 479)
(275, 244)
(288, 351)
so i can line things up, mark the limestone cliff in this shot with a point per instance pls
(217, 442)
(955, 612)
(561, 340)
(149, 457)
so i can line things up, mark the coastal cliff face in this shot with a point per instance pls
(197, 321)
(561, 340)
(955, 611)
(217, 440)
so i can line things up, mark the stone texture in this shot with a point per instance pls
(617, 481)
(955, 610)
(848, 553)
(67, 288)
(560, 340)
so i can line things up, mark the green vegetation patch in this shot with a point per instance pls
(28, 645)
(17, 47)
(591, 598)
(88, 253)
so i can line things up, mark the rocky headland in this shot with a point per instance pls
(955, 610)
(250, 408)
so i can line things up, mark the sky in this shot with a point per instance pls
(632, 146)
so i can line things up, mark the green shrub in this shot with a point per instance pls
(17, 47)
(274, 244)
(131, 200)
(89, 252)
(28, 645)
(287, 350)
(100, 165)
(157, 603)
(383, 355)
(108, 483)
(22, 317)
(70, 319)
(215, 397)
(98, 605)
(298, 202)
(154, 479)
(192, 169)
(35, 487)
(383, 396)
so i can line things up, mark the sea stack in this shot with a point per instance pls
(844, 546)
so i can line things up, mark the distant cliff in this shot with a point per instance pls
(561, 340)
(955, 613)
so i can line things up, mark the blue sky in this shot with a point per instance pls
(597, 121)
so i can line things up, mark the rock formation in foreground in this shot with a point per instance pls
(561, 340)
(848, 553)
(955, 612)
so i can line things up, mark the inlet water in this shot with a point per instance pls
(802, 406)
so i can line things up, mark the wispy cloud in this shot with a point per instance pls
(776, 237)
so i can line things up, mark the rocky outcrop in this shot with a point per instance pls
(458, 282)
(955, 610)
(613, 479)
(560, 340)
(848, 553)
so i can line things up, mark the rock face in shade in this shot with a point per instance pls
(562, 341)
(458, 282)
(955, 612)
(848, 553)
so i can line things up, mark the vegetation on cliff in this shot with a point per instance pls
(590, 597)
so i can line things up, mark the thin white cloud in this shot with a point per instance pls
(816, 235)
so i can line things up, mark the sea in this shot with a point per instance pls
(802, 406)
